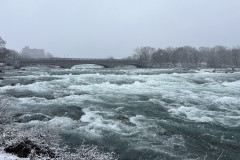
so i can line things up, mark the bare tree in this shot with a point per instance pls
(7, 55)
(144, 53)
(2, 43)
(236, 57)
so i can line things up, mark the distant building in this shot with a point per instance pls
(33, 53)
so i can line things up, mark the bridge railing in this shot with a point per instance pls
(78, 59)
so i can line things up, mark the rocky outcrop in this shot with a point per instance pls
(26, 147)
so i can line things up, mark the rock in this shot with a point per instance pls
(125, 120)
(23, 149)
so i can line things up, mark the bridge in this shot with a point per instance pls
(70, 62)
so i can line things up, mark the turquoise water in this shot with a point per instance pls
(137, 113)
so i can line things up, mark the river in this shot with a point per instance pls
(137, 113)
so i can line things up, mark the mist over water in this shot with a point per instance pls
(137, 113)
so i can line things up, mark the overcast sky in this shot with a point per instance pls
(103, 28)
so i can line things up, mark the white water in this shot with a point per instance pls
(139, 107)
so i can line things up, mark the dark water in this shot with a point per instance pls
(137, 113)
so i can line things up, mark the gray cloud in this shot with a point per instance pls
(102, 28)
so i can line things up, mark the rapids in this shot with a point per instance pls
(137, 113)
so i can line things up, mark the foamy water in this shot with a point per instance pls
(148, 113)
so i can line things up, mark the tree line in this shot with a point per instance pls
(216, 57)
(7, 55)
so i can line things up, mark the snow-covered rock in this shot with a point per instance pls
(7, 156)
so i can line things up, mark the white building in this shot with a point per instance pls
(33, 53)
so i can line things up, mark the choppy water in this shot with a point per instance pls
(138, 113)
